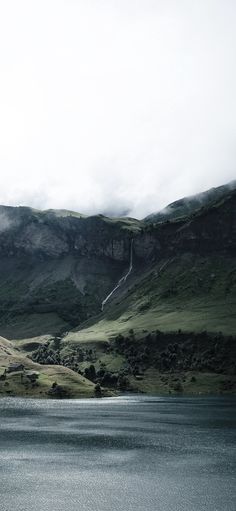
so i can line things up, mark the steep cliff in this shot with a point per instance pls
(57, 267)
(184, 277)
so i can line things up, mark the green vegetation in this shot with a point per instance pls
(190, 293)
(126, 223)
(190, 205)
(19, 384)
(170, 362)
(194, 383)
(56, 269)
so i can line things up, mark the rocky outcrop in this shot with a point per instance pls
(65, 265)
(50, 235)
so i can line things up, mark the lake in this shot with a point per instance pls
(121, 454)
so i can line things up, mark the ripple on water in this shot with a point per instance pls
(118, 454)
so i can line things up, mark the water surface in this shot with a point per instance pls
(121, 454)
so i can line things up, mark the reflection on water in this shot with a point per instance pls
(122, 454)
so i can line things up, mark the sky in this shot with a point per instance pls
(115, 106)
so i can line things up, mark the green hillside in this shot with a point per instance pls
(22, 382)
(110, 299)
(188, 293)
(189, 205)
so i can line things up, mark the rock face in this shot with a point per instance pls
(57, 267)
(46, 234)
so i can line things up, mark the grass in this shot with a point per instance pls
(195, 318)
(191, 294)
(127, 223)
(35, 324)
(188, 293)
(75, 384)
(194, 383)
(62, 213)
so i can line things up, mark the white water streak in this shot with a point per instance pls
(123, 279)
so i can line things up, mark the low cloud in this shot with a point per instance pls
(5, 222)
(120, 108)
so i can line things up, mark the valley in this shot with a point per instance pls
(105, 305)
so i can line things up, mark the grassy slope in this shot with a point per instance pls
(189, 293)
(192, 382)
(76, 384)
(25, 326)
(189, 205)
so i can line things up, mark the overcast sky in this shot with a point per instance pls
(115, 106)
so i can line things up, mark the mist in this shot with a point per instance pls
(5, 222)
(115, 107)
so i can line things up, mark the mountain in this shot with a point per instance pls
(188, 280)
(56, 267)
(189, 205)
(136, 301)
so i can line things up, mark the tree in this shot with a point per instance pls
(98, 390)
(90, 372)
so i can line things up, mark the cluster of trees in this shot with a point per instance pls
(167, 352)
(51, 353)
(178, 351)
(58, 391)
(105, 378)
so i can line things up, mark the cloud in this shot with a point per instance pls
(5, 221)
(113, 106)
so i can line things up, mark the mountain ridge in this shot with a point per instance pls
(68, 265)
(190, 204)
(57, 270)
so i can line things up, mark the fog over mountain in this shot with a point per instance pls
(115, 107)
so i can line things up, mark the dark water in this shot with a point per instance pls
(122, 454)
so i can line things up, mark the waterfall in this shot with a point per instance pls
(123, 279)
